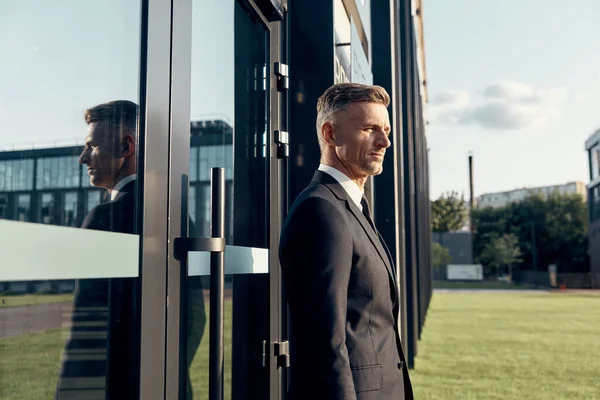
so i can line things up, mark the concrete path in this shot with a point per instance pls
(16, 321)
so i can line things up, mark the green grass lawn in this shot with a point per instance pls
(199, 368)
(475, 346)
(490, 285)
(30, 299)
(509, 346)
(29, 365)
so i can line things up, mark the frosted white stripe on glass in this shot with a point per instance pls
(39, 252)
(238, 260)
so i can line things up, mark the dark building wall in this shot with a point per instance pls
(458, 243)
(311, 58)
(594, 246)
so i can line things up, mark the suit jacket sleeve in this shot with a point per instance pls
(316, 253)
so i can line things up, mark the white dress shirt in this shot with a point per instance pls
(119, 185)
(348, 184)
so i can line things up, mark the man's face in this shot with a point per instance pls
(361, 137)
(101, 155)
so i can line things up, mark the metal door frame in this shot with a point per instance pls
(153, 176)
(177, 166)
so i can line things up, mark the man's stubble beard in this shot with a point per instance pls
(372, 169)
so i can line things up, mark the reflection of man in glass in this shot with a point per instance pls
(101, 356)
(110, 157)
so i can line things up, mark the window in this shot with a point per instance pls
(46, 210)
(70, 209)
(23, 212)
(3, 206)
(215, 156)
(16, 175)
(93, 199)
(594, 203)
(58, 172)
(595, 167)
(193, 164)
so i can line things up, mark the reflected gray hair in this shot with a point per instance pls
(121, 114)
(339, 97)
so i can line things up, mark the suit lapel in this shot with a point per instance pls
(340, 193)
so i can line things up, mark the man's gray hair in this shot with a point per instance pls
(121, 114)
(338, 97)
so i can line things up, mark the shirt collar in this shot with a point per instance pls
(348, 184)
(119, 185)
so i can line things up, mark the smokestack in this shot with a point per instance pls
(471, 191)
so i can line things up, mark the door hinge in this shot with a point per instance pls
(281, 351)
(282, 140)
(283, 78)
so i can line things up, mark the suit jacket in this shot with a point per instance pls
(104, 340)
(343, 300)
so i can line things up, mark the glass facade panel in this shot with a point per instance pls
(46, 210)
(70, 203)
(16, 175)
(595, 160)
(192, 203)
(69, 75)
(193, 164)
(594, 203)
(58, 173)
(216, 157)
(3, 206)
(93, 199)
(23, 211)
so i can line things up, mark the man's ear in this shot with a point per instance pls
(128, 146)
(328, 133)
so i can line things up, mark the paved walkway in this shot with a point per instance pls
(16, 321)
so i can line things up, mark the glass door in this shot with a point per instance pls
(70, 236)
(225, 110)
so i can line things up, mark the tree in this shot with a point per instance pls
(448, 213)
(550, 229)
(441, 255)
(502, 251)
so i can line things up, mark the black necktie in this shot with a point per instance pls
(367, 212)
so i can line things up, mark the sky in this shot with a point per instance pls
(73, 54)
(517, 83)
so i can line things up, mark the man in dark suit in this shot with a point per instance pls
(101, 356)
(339, 274)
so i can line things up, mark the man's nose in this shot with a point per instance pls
(384, 141)
(84, 157)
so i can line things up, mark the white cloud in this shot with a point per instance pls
(451, 98)
(506, 105)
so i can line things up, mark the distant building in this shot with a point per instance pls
(501, 199)
(592, 146)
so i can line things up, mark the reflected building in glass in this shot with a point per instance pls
(49, 186)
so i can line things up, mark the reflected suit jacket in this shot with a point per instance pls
(343, 300)
(104, 340)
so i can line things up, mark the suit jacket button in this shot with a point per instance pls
(401, 365)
